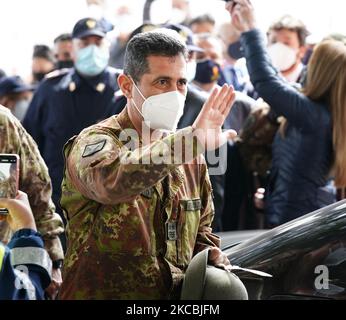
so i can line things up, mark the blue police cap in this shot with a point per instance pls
(13, 84)
(185, 33)
(91, 27)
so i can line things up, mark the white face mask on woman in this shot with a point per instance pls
(283, 56)
(162, 111)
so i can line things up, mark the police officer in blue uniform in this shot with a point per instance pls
(25, 266)
(69, 100)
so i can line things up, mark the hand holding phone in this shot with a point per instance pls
(20, 215)
(243, 15)
(9, 177)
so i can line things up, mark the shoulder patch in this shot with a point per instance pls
(94, 148)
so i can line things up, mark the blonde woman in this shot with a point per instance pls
(313, 146)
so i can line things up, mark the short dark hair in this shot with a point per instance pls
(43, 51)
(205, 18)
(153, 43)
(288, 22)
(63, 37)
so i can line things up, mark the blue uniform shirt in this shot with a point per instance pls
(63, 105)
(25, 267)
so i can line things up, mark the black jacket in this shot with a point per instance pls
(303, 159)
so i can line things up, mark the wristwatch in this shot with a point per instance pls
(57, 264)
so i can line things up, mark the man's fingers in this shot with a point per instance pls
(220, 97)
(210, 101)
(217, 257)
(229, 104)
(245, 6)
(230, 6)
(227, 100)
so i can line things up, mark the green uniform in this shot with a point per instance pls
(133, 228)
(34, 180)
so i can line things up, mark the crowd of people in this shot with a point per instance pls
(122, 225)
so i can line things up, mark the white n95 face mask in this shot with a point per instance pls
(162, 111)
(283, 57)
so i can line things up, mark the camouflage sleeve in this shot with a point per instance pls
(105, 170)
(34, 180)
(205, 237)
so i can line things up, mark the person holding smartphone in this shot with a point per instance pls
(34, 180)
(310, 147)
(25, 266)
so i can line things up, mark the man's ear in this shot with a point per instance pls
(125, 85)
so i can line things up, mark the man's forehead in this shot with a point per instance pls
(171, 59)
(164, 63)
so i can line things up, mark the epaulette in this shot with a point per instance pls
(57, 73)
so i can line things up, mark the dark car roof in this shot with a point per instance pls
(296, 237)
(232, 238)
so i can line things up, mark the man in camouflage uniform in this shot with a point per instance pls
(135, 225)
(33, 180)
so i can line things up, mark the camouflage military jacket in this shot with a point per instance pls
(34, 180)
(133, 228)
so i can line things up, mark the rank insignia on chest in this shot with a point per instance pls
(72, 87)
(191, 205)
(100, 87)
(94, 148)
(171, 231)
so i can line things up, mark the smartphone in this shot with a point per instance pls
(9, 177)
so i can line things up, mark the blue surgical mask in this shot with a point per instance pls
(92, 60)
